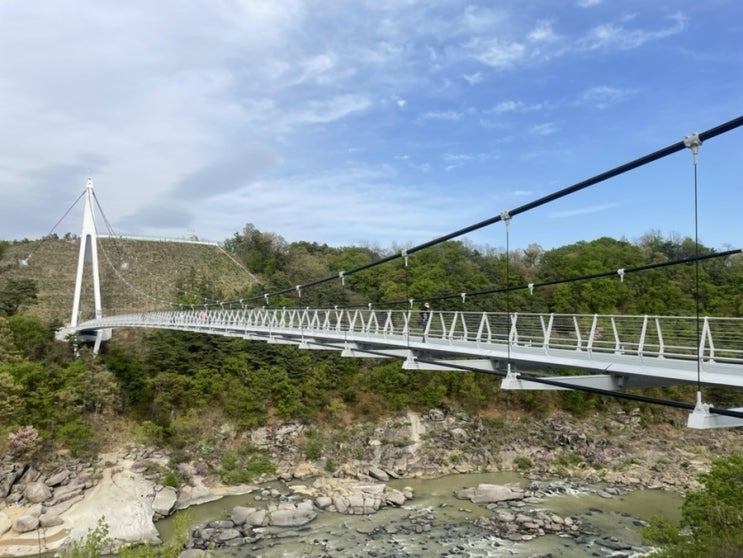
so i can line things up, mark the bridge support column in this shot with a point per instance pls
(512, 381)
(701, 418)
(88, 254)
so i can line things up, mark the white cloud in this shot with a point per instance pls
(443, 115)
(473, 79)
(542, 33)
(543, 129)
(478, 20)
(400, 102)
(497, 53)
(317, 68)
(331, 110)
(617, 35)
(508, 106)
(582, 210)
(603, 96)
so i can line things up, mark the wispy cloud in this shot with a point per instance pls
(543, 129)
(620, 36)
(603, 96)
(543, 33)
(450, 115)
(473, 79)
(497, 53)
(512, 106)
(331, 110)
(582, 210)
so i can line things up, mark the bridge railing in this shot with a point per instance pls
(685, 337)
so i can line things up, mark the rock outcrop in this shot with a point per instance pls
(40, 510)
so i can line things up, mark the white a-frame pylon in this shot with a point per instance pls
(88, 254)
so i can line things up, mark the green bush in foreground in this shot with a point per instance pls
(96, 543)
(711, 523)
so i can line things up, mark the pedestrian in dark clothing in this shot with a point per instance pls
(425, 311)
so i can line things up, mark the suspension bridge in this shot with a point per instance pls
(606, 354)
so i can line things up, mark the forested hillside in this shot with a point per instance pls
(178, 389)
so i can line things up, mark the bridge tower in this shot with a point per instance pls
(88, 254)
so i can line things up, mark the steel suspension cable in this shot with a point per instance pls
(51, 232)
(598, 275)
(693, 142)
(507, 221)
(575, 387)
(621, 169)
(158, 279)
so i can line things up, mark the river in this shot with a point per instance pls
(450, 524)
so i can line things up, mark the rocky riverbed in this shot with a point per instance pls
(44, 505)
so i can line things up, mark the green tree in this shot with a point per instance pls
(8, 350)
(31, 335)
(711, 523)
(15, 294)
(11, 400)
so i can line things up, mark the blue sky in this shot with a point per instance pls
(380, 122)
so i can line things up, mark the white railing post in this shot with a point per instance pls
(706, 334)
(641, 343)
(592, 334)
(661, 343)
(513, 334)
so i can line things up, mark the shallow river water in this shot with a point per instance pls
(452, 531)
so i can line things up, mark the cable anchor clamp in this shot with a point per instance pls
(693, 142)
(506, 218)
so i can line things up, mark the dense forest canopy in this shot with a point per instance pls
(445, 270)
(186, 390)
(170, 387)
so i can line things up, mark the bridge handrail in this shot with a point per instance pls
(720, 338)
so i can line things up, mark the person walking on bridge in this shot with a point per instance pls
(425, 313)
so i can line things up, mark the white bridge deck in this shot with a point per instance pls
(621, 351)
(637, 351)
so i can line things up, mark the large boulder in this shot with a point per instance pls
(8, 475)
(26, 523)
(292, 515)
(254, 517)
(165, 500)
(490, 493)
(58, 478)
(37, 492)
